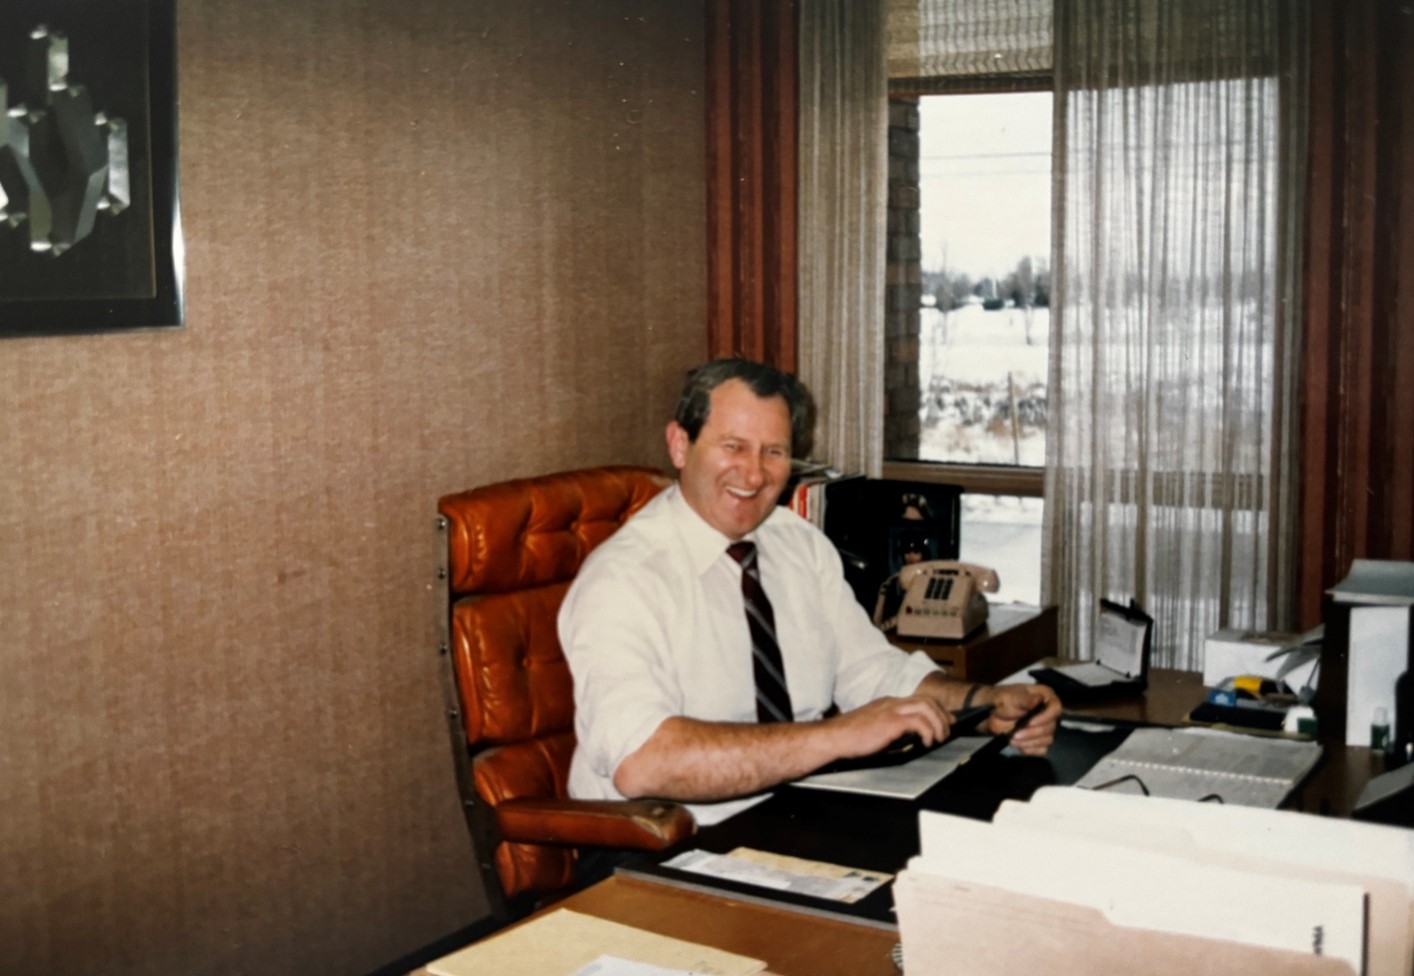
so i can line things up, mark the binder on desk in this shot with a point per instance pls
(1204, 764)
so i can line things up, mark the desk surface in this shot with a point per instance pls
(791, 943)
(826, 826)
(812, 825)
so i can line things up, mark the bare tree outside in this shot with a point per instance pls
(985, 183)
(985, 224)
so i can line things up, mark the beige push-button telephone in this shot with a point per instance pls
(935, 599)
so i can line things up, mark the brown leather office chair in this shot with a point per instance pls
(510, 551)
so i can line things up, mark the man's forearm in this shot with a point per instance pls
(952, 693)
(690, 760)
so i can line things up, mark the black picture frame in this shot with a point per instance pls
(127, 271)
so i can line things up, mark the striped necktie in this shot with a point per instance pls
(772, 698)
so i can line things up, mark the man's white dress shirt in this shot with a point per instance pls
(654, 627)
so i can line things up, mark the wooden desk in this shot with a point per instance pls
(797, 942)
(791, 942)
(1014, 636)
(825, 826)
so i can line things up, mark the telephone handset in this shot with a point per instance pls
(935, 599)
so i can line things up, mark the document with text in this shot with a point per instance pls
(1202, 764)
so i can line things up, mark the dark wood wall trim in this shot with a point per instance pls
(1358, 374)
(751, 180)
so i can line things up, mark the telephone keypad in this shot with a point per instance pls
(939, 587)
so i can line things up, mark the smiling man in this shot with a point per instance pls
(710, 635)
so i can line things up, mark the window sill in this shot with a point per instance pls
(989, 479)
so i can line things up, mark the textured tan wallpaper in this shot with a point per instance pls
(430, 244)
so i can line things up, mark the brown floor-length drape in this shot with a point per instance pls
(751, 180)
(1358, 382)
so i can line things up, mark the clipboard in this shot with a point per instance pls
(1124, 643)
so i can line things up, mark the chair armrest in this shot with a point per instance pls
(643, 825)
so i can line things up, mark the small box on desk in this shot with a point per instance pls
(1015, 635)
(1233, 651)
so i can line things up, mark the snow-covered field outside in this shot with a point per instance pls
(973, 365)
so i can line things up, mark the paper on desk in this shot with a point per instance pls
(614, 966)
(781, 872)
(1090, 674)
(564, 941)
(1379, 858)
(1301, 837)
(1377, 581)
(906, 781)
(1148, 890)
(1188, 764)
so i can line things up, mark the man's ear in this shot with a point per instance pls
(678, 443)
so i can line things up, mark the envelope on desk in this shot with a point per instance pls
(1085, 905)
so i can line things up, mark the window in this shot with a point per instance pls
(979, 302)
(984, 175)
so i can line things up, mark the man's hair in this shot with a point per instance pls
(765, 381)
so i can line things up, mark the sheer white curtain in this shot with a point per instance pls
(843, 171)
(1170, 455)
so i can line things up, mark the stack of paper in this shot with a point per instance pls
(1096, 882)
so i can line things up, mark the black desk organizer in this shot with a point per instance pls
(876, 833)
(876, 523)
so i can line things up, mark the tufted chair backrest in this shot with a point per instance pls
(512, 550)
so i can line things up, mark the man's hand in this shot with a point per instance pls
(1011, 702)
(873, 727)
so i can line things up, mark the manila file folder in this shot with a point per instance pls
(956, 928)
(1284, 843)
(1084, 905)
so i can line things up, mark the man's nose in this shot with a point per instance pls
(753, 470)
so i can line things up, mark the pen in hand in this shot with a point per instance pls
(1025, 720)
(997, 743)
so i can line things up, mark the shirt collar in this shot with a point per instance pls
(705, 545)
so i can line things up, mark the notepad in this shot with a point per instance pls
(1201, 764)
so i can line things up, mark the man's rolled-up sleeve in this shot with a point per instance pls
(613, 633)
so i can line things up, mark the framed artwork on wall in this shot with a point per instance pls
(90, 226)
